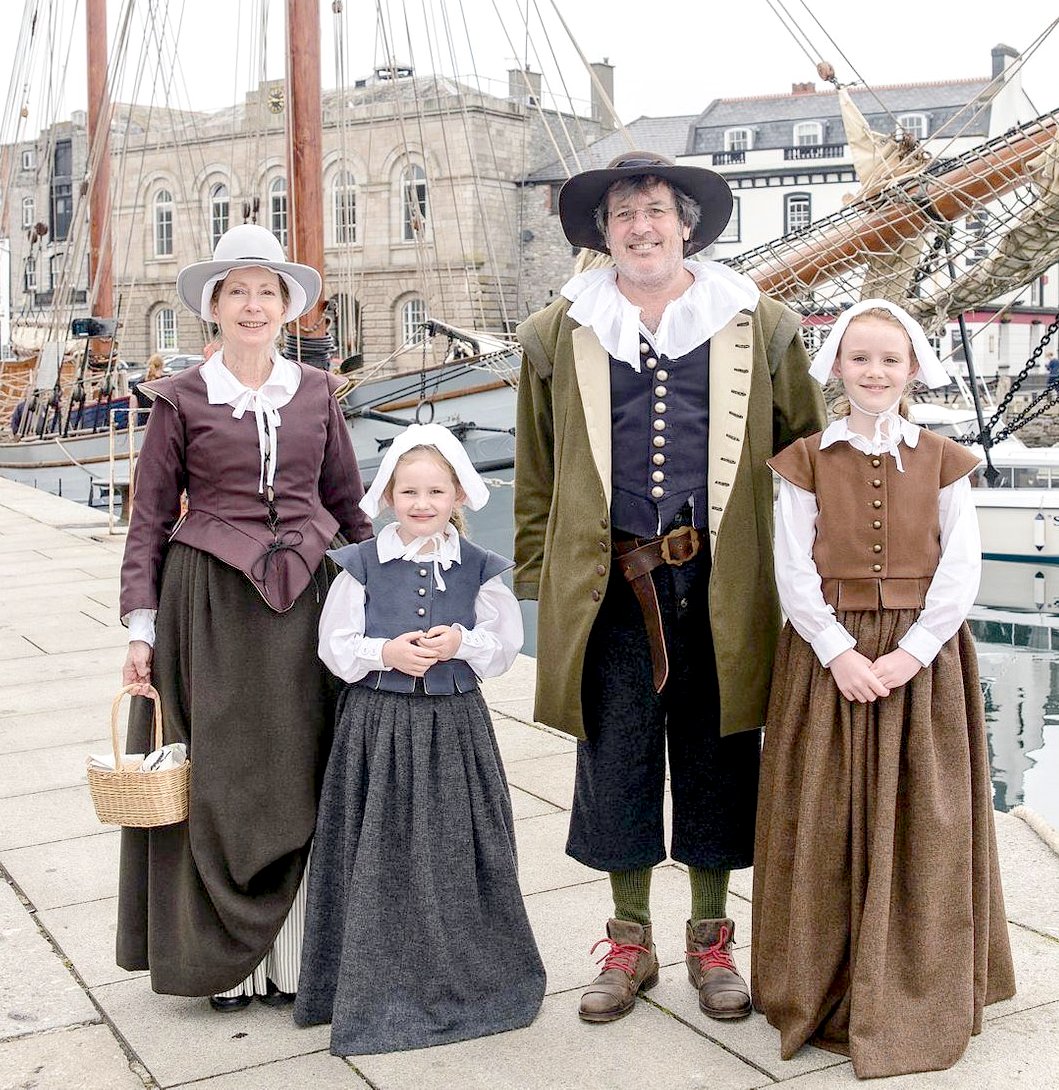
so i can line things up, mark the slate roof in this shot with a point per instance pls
(772, 117)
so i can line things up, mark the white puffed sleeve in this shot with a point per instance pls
(343, 648)
(491, 646)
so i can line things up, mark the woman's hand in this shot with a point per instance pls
(855, 677)
(444, 639)
(137, 669)
(897, 668)
(404, 653)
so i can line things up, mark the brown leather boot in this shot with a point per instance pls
(711, 969)
(628, 965)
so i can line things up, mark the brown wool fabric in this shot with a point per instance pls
(879, 928)
(201, 902)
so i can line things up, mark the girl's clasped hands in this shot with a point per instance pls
(860, 679)
(415, 652)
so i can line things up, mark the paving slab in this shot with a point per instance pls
(519, 741)
(68, 872)
(647, 1049)
(1030, 874)
(81, 633)
(86, 934)
(180, 1040)
(23, 697)
(37, 991)
(524, 805)
(1036, 959)
(57, 671)
(550, 777)
(30, 771)
(48, 728)
(86, 1058)
(321, 1070)
(46, 817)
(13, 645)
(542, 864)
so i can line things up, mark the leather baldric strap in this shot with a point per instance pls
(637, 557)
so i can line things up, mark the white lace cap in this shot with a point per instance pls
(450, 448)
(931, 372)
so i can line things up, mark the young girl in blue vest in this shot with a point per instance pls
(416, 932)
(879, 927)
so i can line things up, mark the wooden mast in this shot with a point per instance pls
(304, 145)
(99, 256)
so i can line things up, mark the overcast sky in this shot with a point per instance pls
(670, 56)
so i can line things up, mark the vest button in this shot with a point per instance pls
(659, 425)
(876, 503)
(658, 475)
(422, 571)
(876, 567)
(658, 492)
(876, 548)
(421, 612)
(596, 596)
(422, 591)
(662, 375)
(658, 459)
(600, 570)
(876, 525)
(660, 406)
(660, 391)
(876, 483)
(652, 363)
(644, 348)
(659, 440)
(875, 462)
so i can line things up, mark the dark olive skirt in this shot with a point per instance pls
(200, 903)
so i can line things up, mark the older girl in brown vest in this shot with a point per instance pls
(879, 928)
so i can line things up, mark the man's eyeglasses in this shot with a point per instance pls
(653, 213)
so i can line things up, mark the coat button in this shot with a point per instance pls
(658, 459)
(876, 483)
(876, 503)
(660, 406)
(596, 596)
(659, 440)
(600, 570)
(875, 462)
(662, 375)
(659, 425)
(422, 591)
(876, 567)
(658, 475)
(876, 525)
(660, 391)
(658, 492)
(876, 548)
(421, 612)
(422, 571)
(603, 547)
(603, 523)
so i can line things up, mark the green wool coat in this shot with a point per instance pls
(761, 399)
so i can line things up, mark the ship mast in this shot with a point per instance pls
(99, 256)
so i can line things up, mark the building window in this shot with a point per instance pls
(163, 223)
(912, 124)
(277, 209)
(413, 203)
(29, 274)
(62, 201)
(219, 209)
(55, 270)
(344, 208)
(165, 334)
(738, 139)
(797, 212)
(345, 311)
(29, 158)
(731, 232)
(807, 133)
(29, 211)
(413, 315)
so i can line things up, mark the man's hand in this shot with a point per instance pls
(855, 678)
(404, 653)
(897, 668)
(443, 639)
(137, 669)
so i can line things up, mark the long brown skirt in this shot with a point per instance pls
(200, 903)
(879, 927)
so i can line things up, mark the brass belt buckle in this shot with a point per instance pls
(678, 535)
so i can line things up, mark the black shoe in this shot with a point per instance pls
(273, 997)
(229, 1002)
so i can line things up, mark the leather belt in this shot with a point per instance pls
(637, 557)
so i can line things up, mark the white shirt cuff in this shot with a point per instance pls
(141, 625)
(920, 644)
(830, 643)
(370, 652)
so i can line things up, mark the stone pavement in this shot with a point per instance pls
(70, 1018)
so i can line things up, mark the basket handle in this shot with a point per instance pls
(152, 693)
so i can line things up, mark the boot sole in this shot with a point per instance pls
(613, 1016)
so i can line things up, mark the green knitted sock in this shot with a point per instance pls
(709, 893)
(632, 895)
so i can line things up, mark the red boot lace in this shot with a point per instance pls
(621, 955)
(716, 956)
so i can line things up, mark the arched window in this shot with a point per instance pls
(413, 203)
(413, 315)
(165, 333)
(29, 211)
(277, 209)
(343, 208)
(807, 133)
(797, 212)
(163, 223)
(219, 209)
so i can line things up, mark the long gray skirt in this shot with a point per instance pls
(200, 903)
(416, 932)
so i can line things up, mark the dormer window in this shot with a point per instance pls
(808, 134)
(738, 139)
(912, 124)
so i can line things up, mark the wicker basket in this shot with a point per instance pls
(130, 797)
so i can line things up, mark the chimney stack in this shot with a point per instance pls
(803, 88)
(1002, 56)
(603, 71)
(524, 86)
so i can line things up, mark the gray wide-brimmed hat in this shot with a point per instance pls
(580, 196)
(244, 247)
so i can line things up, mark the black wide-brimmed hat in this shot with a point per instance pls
(580, 196)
